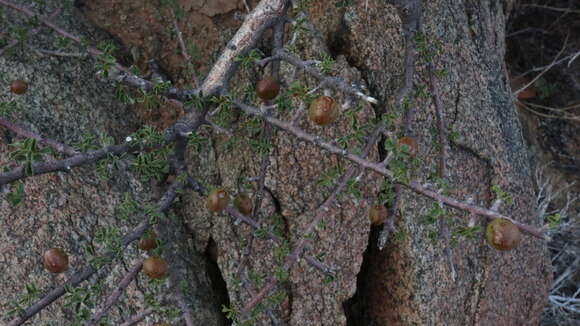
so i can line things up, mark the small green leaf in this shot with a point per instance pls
(16, 196)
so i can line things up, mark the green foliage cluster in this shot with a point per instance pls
(502, 195)
(81, 301)
(9, 107)
(107, 59)
(344, 3)
(248, 60)
(402, 164)
(27, 152)
(19, 305)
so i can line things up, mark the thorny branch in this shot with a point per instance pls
(162, 229)
(163, 205)
(255, 225)
(266, 135)
(119, 73)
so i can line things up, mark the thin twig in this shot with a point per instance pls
(565, 10)
(25, 132)
(548, 67)
(559, 110)
(184, 48)
(186, 310)
(278, 43)
(335, 82)
(209, 121)
(527, 106)
(138, 317)
(176, 276)
(255, 225)
(60, 53)
(251, 290)
(570, 58)
(64, 165)
(411, 25)
(114, 297)
(30, 33)
(443, 158)
(266, 136)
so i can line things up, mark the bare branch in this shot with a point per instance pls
(261, 18)
(133, 320)
(114, 297)
(548, 67)
(564, 10)
(30, 33)
(334, 82)
(25, 132)
(64, 165)
(183, 47)
(255, 225)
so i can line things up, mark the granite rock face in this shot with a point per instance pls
(408, 283)
(411, 282)
(66, 100)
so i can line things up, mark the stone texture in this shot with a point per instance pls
(65, 101)
(409, 283)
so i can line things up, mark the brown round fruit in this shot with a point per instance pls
(217, 200)
(244, 204)
(411, 144)
(155, 267)
(55, 260)
(18, 87)
(323, 110)
(148, 242)
(503, 235)
(378, 214)
(267, 88)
